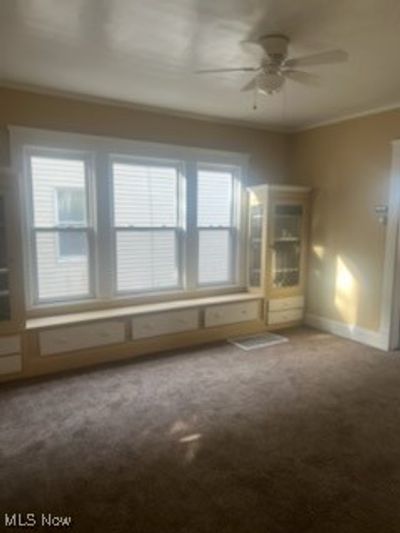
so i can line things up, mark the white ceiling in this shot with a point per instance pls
(144, 52)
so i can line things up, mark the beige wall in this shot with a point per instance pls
(267, 150)
(348, 165)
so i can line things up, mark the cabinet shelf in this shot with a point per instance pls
(285, 240)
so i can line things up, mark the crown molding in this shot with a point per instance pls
(168, 112)
(82, 97)
(344, 118)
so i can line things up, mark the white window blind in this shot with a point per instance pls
(146, 226)
(60, 227)
(215, 225)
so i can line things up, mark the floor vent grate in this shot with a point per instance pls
(253, 342)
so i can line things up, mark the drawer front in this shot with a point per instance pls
(73, 338)
(281, 317)
(10, 345)
(295, 302)
(154, 325)
(219, 315)
(10, 364)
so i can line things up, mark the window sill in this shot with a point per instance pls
(89, 316)
(86, 304)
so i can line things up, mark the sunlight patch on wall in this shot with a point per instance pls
(319, 251)
(319, 256)
(253, 200)
(346, 292)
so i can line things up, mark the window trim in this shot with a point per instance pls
(97, 151)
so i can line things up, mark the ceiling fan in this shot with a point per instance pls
(276, 67)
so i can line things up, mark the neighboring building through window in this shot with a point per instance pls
(70, 213)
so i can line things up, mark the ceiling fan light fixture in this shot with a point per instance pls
(276, 67)
(270, 83)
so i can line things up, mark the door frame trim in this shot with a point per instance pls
(390, 307)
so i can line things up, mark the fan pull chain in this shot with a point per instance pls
(255, 94)
(284, 103)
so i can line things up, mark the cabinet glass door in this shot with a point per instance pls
(255, 244)
(4, 284)
(286, 245)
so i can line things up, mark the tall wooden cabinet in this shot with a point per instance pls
(11, 284)
(277, 250)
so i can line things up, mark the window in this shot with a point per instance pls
(70, 211)
(215, 226)
(60, 228)
(146, 226)
(112, 219)
(71, 207)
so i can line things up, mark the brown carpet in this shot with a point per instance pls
(299, 437)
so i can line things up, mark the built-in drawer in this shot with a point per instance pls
(10, 364)
(280, 304)
(154, 325)
(219, 315)
(73, 338)
(10, 345)
(281, 317)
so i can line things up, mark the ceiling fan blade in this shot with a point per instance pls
(306, 78)
(251, 43)
(251, 85)
(332, 56)
(216, 70)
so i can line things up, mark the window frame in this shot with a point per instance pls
(178, 229)
(98, 152)
(30, 237)
(233, 229)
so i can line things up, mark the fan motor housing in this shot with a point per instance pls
(276, 46)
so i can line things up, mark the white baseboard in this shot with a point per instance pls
(376, 339)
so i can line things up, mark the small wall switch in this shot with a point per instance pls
(381, 212)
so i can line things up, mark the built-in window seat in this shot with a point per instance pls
(136, 310)
(58, 342)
